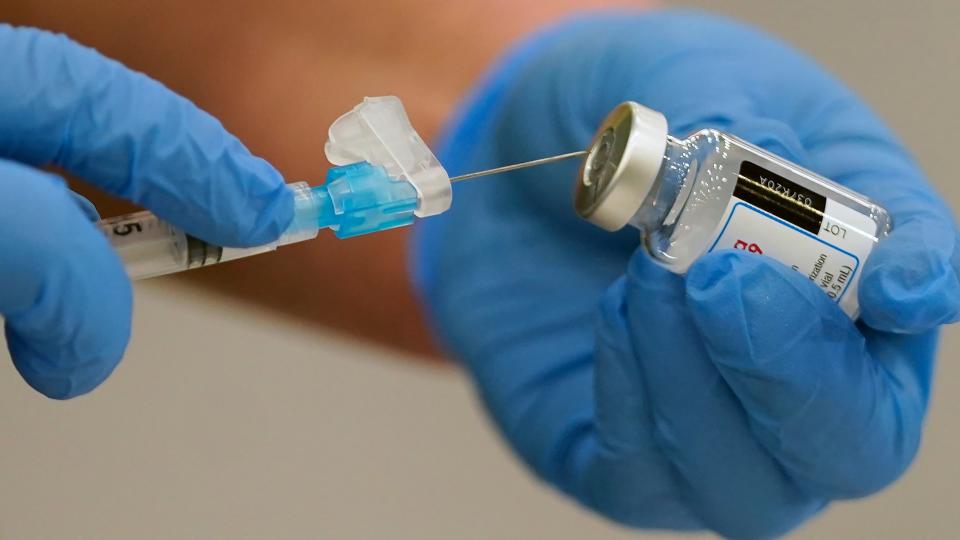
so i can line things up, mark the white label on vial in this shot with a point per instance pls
(818, 237)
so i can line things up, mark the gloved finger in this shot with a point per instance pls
(489, 253)
(86, 206)
(65, 104)
(63, 293)
(732, 482)
(840, 422)
(911, 282)
(622, 471)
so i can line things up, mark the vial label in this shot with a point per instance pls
(815, 235)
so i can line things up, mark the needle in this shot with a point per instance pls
(534, 163)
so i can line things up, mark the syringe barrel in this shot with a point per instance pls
(150, 247)
(356, 199)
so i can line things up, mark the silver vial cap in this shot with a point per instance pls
(624, 160)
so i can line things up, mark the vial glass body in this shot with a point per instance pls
(715, 191)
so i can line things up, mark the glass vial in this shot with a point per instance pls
(713, 191)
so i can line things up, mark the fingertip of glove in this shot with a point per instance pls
(69, 374)
(771, 524)
(277, 214)
(713, 294)
(911, 288)
(716, 279)
(642, 266)
(255, 211)
(86, 206)
(745, 305)
(708, 273)
(81, 358)
(74, 384)
(648, 279)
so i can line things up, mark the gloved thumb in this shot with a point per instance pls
(840, 423)
(85, 206)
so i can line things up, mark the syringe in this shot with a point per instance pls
(356, 199)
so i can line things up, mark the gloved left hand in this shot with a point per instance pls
(737, 398)
(63, 292)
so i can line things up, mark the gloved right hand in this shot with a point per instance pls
(63, 292)
(737, 398)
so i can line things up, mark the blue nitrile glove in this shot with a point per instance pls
(737, 398)
(63, 291)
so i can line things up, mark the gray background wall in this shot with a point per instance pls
(225, 423)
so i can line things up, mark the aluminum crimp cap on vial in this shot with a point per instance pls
(622, 163)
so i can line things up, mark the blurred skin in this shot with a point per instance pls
(277, 74)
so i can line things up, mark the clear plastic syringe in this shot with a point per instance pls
(356, 199)
(387, 177)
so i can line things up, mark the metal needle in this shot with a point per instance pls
(534, 163)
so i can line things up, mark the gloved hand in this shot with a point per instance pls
(63, 291)
(737, 398)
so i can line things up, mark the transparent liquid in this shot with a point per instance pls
(684, 210)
